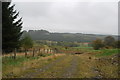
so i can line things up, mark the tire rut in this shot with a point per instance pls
(70, 71)
(39, 70)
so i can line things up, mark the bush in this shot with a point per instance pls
(109, 41)
(97, 44)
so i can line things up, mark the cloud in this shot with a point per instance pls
(86, 17)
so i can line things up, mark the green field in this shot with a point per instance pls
(108, 52)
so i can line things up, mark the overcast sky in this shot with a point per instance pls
(74, 17)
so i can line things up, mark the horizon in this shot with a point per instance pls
(74, 32)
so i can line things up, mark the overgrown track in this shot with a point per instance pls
(67, 70)
(74, 66)
(39, 70)
(72, 69)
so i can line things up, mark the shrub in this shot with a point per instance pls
(97, 44)
(109, 41)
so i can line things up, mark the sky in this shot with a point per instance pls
(91, 17)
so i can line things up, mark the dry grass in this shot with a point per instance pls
(107, 69)
(26, 65)
(87, 63)
(85, 66)
(57, 70)
(17, 54)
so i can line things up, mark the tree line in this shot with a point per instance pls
(67, 37)
(108, 42)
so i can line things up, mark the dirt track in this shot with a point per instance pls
(72, 66)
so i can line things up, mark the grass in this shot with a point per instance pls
(107, 52)
(10, 61)
(105, 66)
(38, 64)
(9, 64)
(44, 55)
(23, 65)
(83, 47)
(57, 70)
(84, 67)
(19, 59)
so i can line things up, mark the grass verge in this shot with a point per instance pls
(107, 52)
(10, 65)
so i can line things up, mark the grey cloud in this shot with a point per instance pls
(86, 17)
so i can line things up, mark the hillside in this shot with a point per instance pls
(70, 37)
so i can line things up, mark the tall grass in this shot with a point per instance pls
(10, 61)
(7, 60)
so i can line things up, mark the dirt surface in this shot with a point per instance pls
(39, 70)
(76, 66)
(72, 69)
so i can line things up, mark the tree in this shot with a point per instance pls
(11, 30)
(97, 44)
(26, 43)
(109, 41)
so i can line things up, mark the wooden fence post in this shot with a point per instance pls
(47, 50)
(44, 50)
(25, 52)
(33, 52)
(50, 50)
(39, 50)
(14, 53)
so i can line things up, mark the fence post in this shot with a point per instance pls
(39, 50)
(14, 53)
(47, 50)
(25, 52)
(50, 50)
(33, 52)
(44, 50)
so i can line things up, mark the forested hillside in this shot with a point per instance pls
(70, 37)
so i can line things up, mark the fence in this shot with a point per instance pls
(30, 52)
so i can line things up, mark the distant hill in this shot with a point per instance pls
(69, 37)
